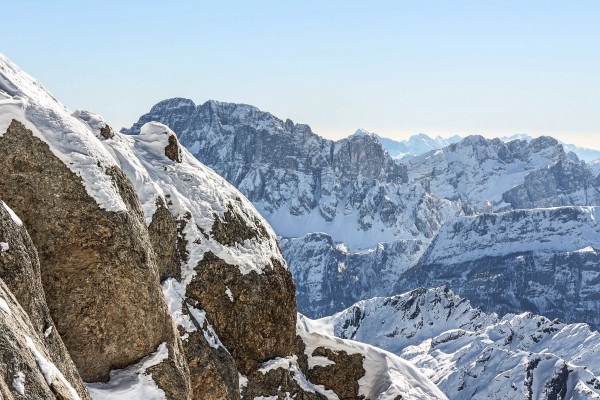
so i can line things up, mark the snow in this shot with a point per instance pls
(12, 214)
(588, 249)
(49, 370)
(18, 383)
(229, 294)
(564, 229)
(456, 345)
(48, 331)
(4, 306)
(3, 247)
(69, 139)
(386, 375)
(133, 382)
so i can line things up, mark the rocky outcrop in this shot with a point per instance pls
(98, 269)
(27, 370)
(20, 272)
(301, 182)
(104, 255)
(568, 182)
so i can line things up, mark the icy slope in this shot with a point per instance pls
(470, 354)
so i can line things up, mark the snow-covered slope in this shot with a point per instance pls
(478, 171)
(543, 260)
(25, 99)
(470, 354)
(330, 277)
(302, 183)
(386, 376)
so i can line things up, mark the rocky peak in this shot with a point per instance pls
(290, 173)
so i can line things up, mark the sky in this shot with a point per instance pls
(397, 68)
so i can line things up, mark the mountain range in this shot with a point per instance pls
(421, 143)
(216, 251)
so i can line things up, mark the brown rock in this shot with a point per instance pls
(260, 323)
(20, 270)
(18, 360)
(341, 377)
(168, 241)
(172, 151)
(98, 269)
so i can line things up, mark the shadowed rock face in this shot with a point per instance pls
(23, 355)
(98, 269)
(260, 322)
(20, 271)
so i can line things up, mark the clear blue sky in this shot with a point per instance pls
(396, 67)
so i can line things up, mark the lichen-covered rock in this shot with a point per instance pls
(253, 319)
(342, 375)
(92, 261)
(20, 271)
(28, 370)
(223, 274)
(98, 268)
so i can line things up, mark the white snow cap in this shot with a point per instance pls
(24, 99)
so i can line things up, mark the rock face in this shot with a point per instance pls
(330, 278)
(478, 170)
(301, 182)
(471, 354)
(544, 261)
(20, 276)
(98, 269)
(566, 183)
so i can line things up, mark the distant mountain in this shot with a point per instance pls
(546, 261)
(415, 145)
(302, 183)
(422, 143)
(470, 354)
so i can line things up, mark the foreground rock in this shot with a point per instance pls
(98, 270)
(28, 332)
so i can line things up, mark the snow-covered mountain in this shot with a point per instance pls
(478, 170)
(543, 260)
(329, 277)
(417, 145)
(471, 354)
(302, 183)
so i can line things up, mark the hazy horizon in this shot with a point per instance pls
(395, 68)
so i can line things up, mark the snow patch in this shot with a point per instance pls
(48, 369)
(4, 306)
(3, 247)
(12, 214)
(228, 293)
(18, 383)
(133, 382)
